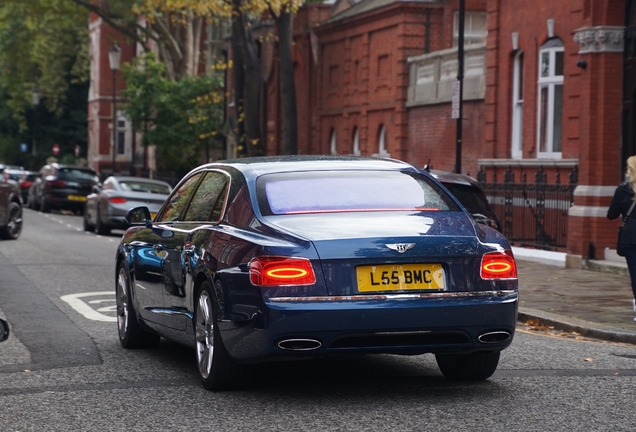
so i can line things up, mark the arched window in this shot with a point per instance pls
(517, 107)
(550, 106)
(356, 141)
(382, 142)
(333, 142)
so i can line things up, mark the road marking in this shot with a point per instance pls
(83, 308)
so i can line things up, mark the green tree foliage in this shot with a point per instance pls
(181, 118)
(43, 44)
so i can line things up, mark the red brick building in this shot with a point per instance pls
(558, 96)
(352, 76)
(100, 102)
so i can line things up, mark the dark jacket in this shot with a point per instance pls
(622, 201)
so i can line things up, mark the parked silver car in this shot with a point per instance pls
(106, 207)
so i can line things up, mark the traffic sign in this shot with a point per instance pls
(56, 149)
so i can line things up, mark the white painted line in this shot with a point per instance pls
(83, 308)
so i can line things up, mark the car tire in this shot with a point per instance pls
(100, 227)
(216, 368)
(44, 207)
(87, 225)
(13, 228)
(131, 335)
(468, 367)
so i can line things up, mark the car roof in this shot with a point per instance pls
(133, 179)
(450, 177)
(269, 164)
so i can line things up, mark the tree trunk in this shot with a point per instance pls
(251, 83)
(287, 86)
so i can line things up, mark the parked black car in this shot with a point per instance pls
(10, 210)
(62, 187)
(470, 193)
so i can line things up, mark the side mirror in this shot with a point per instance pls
(137, 216)
(4, 330)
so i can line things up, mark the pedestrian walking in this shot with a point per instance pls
(622, 205)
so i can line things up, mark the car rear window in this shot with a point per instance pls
(135, 186)
(77, 174)
(349, 191)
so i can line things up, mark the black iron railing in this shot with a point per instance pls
(532, 214)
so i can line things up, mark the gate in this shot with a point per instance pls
(532, 214)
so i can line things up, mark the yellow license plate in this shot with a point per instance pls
(76, 198)
(394, 277)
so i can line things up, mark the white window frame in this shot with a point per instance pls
(382, 141)
(550, 81)
(472, 35)
(356, 141)
(333, 143)
(516, 151)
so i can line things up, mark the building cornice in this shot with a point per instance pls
(600, 39)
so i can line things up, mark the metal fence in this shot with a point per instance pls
(532, 214)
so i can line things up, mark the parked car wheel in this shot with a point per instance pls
(131, 335)
(468, 367)
(100, 227)
(87, 225)
(14, 223)
(216, 369)
(44, 207)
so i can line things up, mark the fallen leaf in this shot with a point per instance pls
(589, 359)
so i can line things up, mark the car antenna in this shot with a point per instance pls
(427, 167)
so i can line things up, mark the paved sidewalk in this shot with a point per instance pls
(596, 302)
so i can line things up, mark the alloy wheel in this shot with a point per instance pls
(123, 311)
(204, 334)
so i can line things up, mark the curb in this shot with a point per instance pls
(582, 327)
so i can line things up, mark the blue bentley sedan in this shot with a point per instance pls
(279, 258)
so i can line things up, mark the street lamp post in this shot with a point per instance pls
(35, 98)
(114, 56)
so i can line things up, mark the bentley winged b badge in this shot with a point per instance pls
(400, 247)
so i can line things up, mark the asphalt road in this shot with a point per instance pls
(63, 369)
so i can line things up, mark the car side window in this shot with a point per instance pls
(176, 204)
(207, 203)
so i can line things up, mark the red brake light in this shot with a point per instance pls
(277, 271)
(498, 265)
(117, 200)
(55, 183)
(25, 184)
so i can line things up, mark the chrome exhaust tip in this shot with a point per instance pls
(494, 337)
(298, 344)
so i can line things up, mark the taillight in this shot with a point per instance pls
(276, 271)
(55, 183)
(498, 265)
(117, 200)
(25, 184)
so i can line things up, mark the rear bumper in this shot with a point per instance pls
(406, 324)
(61, 201)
